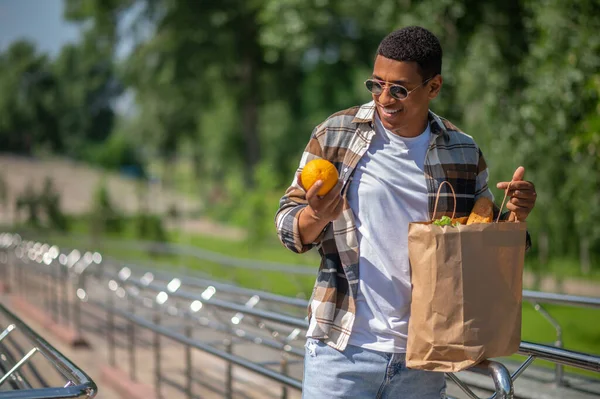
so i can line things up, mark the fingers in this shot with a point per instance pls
(516, 179)
(522, 202)
(312, 192)
(525, 193)
(528, 195)
(520, 212)
(516, 185)
(519, 174)
(323, 203)
(299, 180)
(329, 200)
(334, 192)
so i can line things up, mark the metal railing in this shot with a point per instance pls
(246, 316)
(536, 299)
(77, 384)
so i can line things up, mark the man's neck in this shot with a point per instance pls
(411, 130)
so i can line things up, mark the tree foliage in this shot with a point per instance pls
(237, 87)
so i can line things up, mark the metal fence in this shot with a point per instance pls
(21, 378)
(263, 332)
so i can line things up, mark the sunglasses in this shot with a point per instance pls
(397, 91)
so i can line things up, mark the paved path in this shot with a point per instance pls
(76, 183)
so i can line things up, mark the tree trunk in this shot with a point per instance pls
(543, 247)
(250, 99)
(250, 134)
(584, 255)
(543, 255)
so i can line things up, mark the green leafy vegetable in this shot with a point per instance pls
(445, 221)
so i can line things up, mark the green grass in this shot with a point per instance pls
(272, 251)
(580, 329)
(563, 267)
(274, 281)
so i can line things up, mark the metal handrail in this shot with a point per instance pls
(181, 338)
(206, 255)
(501, 377)
(561, 299)
(79, 383)
(565, 357)
(262, 314)
(533, 351)
(170, 248)
(194, 281)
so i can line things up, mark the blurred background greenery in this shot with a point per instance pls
(213, 101)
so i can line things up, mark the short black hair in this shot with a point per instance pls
(414, 43)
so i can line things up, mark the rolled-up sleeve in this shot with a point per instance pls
(294, 201)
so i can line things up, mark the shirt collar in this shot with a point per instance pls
(366, 113)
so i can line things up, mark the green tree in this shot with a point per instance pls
(236, 84)
(27, 89)
(88, 87)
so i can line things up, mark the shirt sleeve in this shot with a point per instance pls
(294, 201)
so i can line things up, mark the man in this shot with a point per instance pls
(391, 154)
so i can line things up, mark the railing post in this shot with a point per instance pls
(156, 348)
(77, 302)
(500, 375)
(65, 291)
(284, 371)
(131, 334)
(502, 380)
(19, 276)
(559, 374)
(3, 267)
(188, 355)
(558, 368)
(110, 321)
(22, 281)
(47, 282)
(229, 376)
(55, 278)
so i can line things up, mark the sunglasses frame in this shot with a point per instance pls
(384, 84)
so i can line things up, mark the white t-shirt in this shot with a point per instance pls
(387, 192)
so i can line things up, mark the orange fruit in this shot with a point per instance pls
(319, 169)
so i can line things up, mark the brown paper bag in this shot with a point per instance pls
(466, 293)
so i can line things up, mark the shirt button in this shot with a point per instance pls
(345, 169)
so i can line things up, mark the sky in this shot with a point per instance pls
(40, 21)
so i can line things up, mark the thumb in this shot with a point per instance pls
(519, 174)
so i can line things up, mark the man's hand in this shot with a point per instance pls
(522, 196)
(323, 208)
(320, 210)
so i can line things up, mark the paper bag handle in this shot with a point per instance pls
(437, 198)
(503, 201)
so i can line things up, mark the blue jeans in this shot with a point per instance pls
(365, 374)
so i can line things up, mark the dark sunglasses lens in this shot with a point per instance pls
(398, 92)
(374, 87)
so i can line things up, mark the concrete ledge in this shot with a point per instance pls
(119, 381)
(66, 334)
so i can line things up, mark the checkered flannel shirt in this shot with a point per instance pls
(342, 139)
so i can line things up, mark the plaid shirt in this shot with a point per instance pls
(342, 139)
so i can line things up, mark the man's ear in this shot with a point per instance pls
(434, 86)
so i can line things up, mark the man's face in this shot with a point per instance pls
(403, 116)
